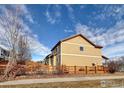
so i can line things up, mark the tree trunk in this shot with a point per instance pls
(8, 74)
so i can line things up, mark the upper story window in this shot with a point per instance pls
(81, 48)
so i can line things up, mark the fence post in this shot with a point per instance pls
(86, 69)
(103, 69)
(95, 70)
(75, 69)
(48, 69)
(62, 68)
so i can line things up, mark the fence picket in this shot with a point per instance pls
(86, 69)
(95, 70)
(74, 69)
(63, 69)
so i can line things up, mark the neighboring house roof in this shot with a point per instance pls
(96, 46)
(3, 47)
(105, 57)
(49, 55)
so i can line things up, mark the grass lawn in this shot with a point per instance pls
(75, 84)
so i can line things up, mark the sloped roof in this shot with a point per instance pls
(3, 47)
(96, 46)
(105, 57)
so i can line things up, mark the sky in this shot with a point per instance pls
(102, 24)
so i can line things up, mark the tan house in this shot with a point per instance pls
(76, 50)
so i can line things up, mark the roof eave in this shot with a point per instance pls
(96, 46)
(105, 57)
(55, 45)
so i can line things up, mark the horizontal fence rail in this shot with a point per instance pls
(45, 69)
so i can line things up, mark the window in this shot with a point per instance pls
(81, 48)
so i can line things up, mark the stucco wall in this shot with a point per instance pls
(71, 54)
(80, 60)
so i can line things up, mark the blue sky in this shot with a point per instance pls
(102, 24)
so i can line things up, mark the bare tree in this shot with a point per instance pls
(11, 23)
(24, 53)
(112, 67)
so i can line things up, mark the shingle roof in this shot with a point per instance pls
(96, 46)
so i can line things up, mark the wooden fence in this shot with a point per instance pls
(79, 69)
(68, 70)
(2, 68)
(45, 69)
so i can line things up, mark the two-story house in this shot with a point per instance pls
(76, 50)
(4, 53)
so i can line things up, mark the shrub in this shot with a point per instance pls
(39, 72)
(112, 67)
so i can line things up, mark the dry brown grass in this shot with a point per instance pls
(66, 75)
(57, 85)
(75, 84)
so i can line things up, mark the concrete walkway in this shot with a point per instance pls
(30, 81)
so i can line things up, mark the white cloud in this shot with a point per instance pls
(68, 31)
(83, 29)
(112, 39)
(114, 34)
(24, 10)
(102, 36)
(116, 50)
(26, 13)
(82, 6)
(70, 12)
(107, 11)
(70, 9)
(36, 47)
(50, 19)
(91, 33)
(53, 17)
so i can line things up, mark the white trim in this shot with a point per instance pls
(77, 44)
(81, 55)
